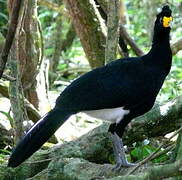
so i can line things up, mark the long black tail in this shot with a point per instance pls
(37, 136)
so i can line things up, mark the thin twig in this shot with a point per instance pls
(44, 160)
(130, 41)
(152, 155)
(169, 148)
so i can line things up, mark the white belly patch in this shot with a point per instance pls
(114, 114)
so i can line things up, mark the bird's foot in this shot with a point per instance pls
(122, 163)
(118, 148)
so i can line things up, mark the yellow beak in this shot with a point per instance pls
(166, 21)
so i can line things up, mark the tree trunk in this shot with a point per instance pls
(30, 50)
(14, 6)
(90, 28)
(70, 36)
(112, 30)
(25, 64)
(15, 87)
(58, 38)
(16, 95)
(61, 45)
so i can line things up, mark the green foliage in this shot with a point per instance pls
(3, 17)
(141, 15)
(173, 84)
(8, 117)
(143, 150)
(48, 24)
(75, 53)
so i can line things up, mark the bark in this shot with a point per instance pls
(15, 87)
(57, 41)
(103, 4)
(80, 169)
(61, 45)
(112, 30)
(17, 97)
(176, 46)
(42, 88)
(70, 36)
(28, 47)
(10, 35)
(30, 50)
(29, 54)
(130, 41)
(90, 28)
(71, 169)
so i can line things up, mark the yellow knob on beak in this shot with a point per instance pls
(166, 21)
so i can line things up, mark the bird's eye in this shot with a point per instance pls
(161, 20)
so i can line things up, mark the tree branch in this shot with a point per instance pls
(166, 118)
(130, 41)
(177, 46)
(10, 35)
(76, 168)
(90, 28)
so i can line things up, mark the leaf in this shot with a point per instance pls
(8, 117)
(4, 16)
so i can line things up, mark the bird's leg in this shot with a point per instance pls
(119, 152)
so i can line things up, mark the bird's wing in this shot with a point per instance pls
(121, 83)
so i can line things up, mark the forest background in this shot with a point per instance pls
(57, 41)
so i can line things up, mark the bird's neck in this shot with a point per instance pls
(161, 37)
(161, 46)
(160, 54)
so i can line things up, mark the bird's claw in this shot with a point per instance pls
(118, 165)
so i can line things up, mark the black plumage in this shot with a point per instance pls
(130, 83)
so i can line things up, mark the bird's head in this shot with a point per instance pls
(164, 18)
(162, 25)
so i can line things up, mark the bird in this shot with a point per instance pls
(117, 92)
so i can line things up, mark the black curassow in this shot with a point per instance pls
(117, 92)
